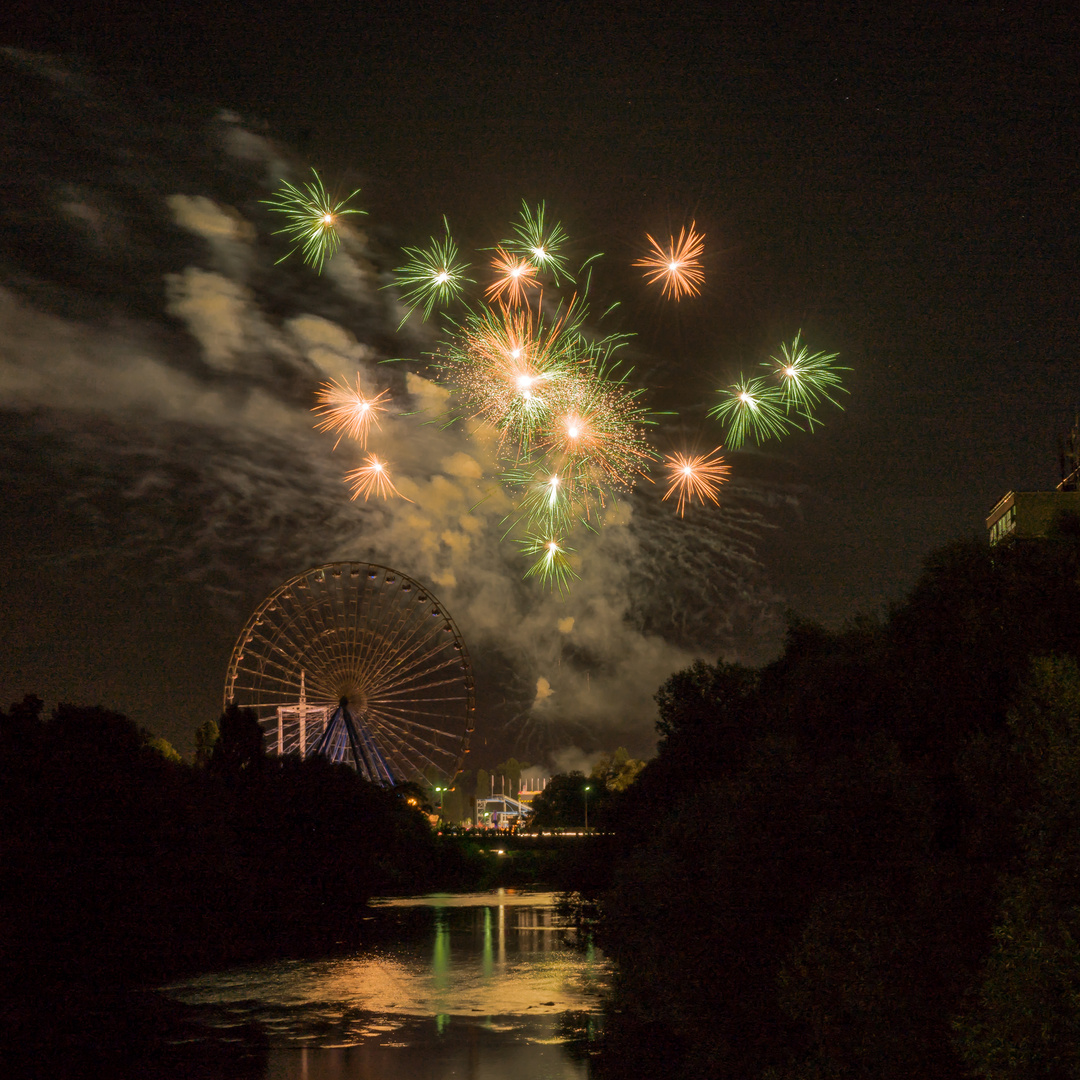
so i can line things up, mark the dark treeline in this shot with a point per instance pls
(864, 859)
(123, 863)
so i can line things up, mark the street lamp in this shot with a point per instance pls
(586, 809)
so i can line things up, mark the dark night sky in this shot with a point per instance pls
(898, 183)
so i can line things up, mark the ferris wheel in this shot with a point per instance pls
(360, 664)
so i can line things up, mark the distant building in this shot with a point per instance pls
(1035, 515)
(1030, 515)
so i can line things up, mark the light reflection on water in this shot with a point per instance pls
(466, 986)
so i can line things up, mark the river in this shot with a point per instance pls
(473, 986)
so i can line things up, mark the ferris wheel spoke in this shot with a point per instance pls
(418, 683)
(407, 731)
(395, 623)
(371, 635)
(266, 676)
(297, 649)
(414, 744)
(404, 753)
(393, 648)
(444, 706)
(319, 636)
(414, 659)
(405, 717)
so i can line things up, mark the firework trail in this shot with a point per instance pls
(541, 244)
(754, 406)
(505, 365)
(767, 409)
(553, 565)
(806, 378)
(679, 267)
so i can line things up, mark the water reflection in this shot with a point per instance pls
(465, 986)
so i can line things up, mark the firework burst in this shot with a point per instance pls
(514, 276)
(752, 406)
(545, 504)
(679, 267)
(372, 479)
(347, 410)
(553, 565)
(698, 476)
(596, 437)
(506, 364)
(432, 275)
(806, 378)
(539, 242)
(313, 220)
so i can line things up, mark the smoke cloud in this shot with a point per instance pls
(180, 411)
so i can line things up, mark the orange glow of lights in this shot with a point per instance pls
(679, 266)
(699, 477)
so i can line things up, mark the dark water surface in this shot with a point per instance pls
(473, 986)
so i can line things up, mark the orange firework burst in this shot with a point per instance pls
(372, 479)
(699, 476)
(347, 410)
(679, 267)
(514, 276)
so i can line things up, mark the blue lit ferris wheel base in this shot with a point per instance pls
(347, 741)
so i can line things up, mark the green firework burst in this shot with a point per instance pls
(806, 378)
(752, 406)
(432, 275)
(313, 217)
(553, 565)
(540, 242)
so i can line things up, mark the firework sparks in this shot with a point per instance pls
(805, 377)
(545, 506)
(698, 477)
(505, 364)
(347, 410)
(432, 275)
(515, 275)
(679, 267)
(553, 565)
(539, 243)
(313, 219)
(751, 405)
(372, 479)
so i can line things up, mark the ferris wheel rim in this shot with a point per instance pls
(392, 716)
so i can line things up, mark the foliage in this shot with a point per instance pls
(561, 805)
(809, 873)
(616, 772)
(1024, 1020)
(205, 736)
(119, 861)
(240, 746)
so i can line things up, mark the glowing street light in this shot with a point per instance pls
(587, 789)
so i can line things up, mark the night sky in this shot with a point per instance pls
(901, 186)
